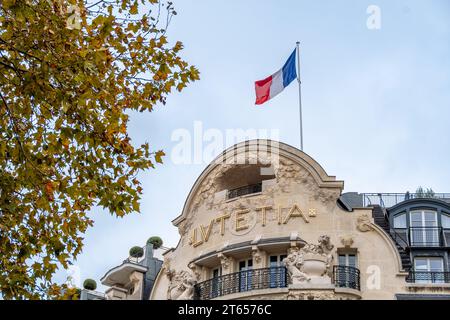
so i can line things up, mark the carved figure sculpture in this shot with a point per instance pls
(294, 262)
(313, 261)
(364, 223)
(181, 285)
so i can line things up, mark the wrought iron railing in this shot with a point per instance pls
(400, 237)
(419, 237)
(428, 277)
(242, 191)
(242, 281)
(346, 277)
(388, 200)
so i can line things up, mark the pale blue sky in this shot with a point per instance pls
(376, 103)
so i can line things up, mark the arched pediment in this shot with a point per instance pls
(276, 158)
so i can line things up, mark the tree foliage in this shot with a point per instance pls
(136, 252)
(90, 284)
(155, 241)
(424, 193)
(70, 74)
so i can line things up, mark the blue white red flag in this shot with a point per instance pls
(271, 86)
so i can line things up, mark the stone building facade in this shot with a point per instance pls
(265, 221)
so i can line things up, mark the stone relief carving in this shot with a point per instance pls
(136, 282)
(224, 261)
(182, 228)
(311, 263)
(364, 223)
(256, 256)
(196, 271)
(181, 285)
(347, 241)
(294, 263)
(287, 173)
(310, 295)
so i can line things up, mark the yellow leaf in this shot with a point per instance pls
(159, 155)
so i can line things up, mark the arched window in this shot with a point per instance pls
(445, 220)
(400, 221)
(424, 228)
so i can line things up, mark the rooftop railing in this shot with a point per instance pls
(387, 200)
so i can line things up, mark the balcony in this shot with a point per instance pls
(346, 277)
(421, 237)
(242, 191)
(242, 281)
(266, 278)
(426, 237)
(428, 277)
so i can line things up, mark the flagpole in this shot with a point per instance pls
(299, 95)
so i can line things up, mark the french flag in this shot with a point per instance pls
(271, 86)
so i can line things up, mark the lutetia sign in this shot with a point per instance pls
(241, 222)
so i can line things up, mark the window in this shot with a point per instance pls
(445, 220)
(346, 274)
(277, 272)
(245, 274)
(217, 273)
(424, 228)
(348, 260)
(216, 285)
(400, 221)
(429, 270)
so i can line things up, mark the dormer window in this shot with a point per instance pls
(445, 221)
(400, 221)
(424, 228)
(421, 223)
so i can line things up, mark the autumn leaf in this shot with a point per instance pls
(159, 155)
(49, 190)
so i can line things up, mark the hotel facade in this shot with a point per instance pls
(265, 221)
